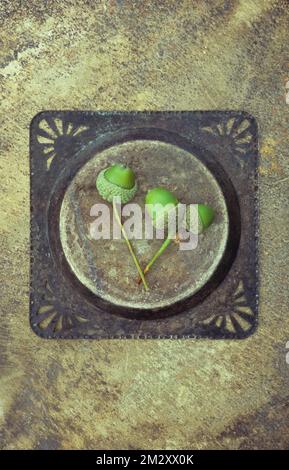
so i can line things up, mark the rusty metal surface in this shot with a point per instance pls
(157, 56)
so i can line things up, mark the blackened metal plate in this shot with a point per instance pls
(62, 143)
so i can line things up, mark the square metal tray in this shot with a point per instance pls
(61, 142)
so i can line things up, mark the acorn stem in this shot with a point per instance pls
(164, 246)
(142, 278)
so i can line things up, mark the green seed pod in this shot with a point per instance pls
(206, 217)
(160, 203)
(116, 181)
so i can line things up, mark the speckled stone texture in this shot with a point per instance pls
(151, 55)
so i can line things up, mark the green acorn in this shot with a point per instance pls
(160, 203)
(119, 181)
(206, 217)
(161, 197)
(116, 181)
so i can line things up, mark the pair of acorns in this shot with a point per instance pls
(119, 181)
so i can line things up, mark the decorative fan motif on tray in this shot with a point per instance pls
(55, 135)
(53, 319)
(235, 132)
(238, 318)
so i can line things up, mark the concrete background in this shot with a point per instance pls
(128, 55)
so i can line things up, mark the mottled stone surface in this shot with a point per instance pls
(157, 55)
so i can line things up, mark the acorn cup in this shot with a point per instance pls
(158, 200)
(119, 181)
